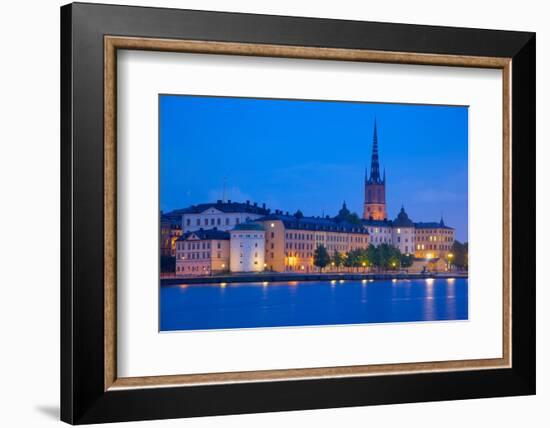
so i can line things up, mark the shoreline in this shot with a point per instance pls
(284, 277)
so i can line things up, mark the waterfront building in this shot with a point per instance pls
(291, 240)
(247, 247)
(202, 252)
(403, 233)
(223, 215)
(375, 186)
(434, 239)
(250, 238)
(380, 231)
(170, 231)
(424, 265)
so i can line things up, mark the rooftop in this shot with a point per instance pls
(315, 223)
(205, 235)
(249, 226)
(228, 207)
(432, 225)
(376, 223)
(402, 219)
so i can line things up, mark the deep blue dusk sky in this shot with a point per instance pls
(311, 155)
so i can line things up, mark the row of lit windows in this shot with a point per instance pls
(307, 236)
(298, 246)
(298, 254)
(249, 235)
(212, 221)
(195, 245)
(255, 255)
(205, 245)
(192, 269)
(435, 238)
(381, 240)
(433, 247)
(193, 256)
(434, 231)
(382, 230)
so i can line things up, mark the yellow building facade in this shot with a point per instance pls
(202, 252)
(434, 240)
(290, 243)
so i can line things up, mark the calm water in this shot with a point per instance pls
(245, 305)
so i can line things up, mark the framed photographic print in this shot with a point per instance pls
(264, 213)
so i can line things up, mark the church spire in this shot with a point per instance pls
(374, 166)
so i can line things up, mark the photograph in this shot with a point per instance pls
(293, 212)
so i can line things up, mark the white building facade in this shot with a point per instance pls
(403, 233)
(247, 248)
(221, 215)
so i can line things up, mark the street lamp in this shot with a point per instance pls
(450, 257)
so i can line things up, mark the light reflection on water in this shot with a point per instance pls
(273, 304)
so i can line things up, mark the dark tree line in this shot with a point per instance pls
(460, 255)
(383, 257)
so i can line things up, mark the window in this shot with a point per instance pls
(188, 222)
(227, 221)
(219, 245)
(198, 222)
(273, 234)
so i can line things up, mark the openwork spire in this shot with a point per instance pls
(375, 166)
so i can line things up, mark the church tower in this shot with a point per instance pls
(375, 186)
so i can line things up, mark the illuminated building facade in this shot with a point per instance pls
(170, 231)
(202, 252)
(247, 248)
(291, 241)
(245, 237)
(223, 215)
(434, 240)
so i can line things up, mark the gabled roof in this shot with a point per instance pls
(205, 235)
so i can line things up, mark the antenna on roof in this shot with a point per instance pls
(224, 189)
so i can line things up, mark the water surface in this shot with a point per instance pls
(278, 304)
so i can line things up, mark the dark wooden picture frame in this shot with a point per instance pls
(90, 389)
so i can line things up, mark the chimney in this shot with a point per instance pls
(229, 201)
(255, 204)
(219, 201)
(247, 202)
(263, 205)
